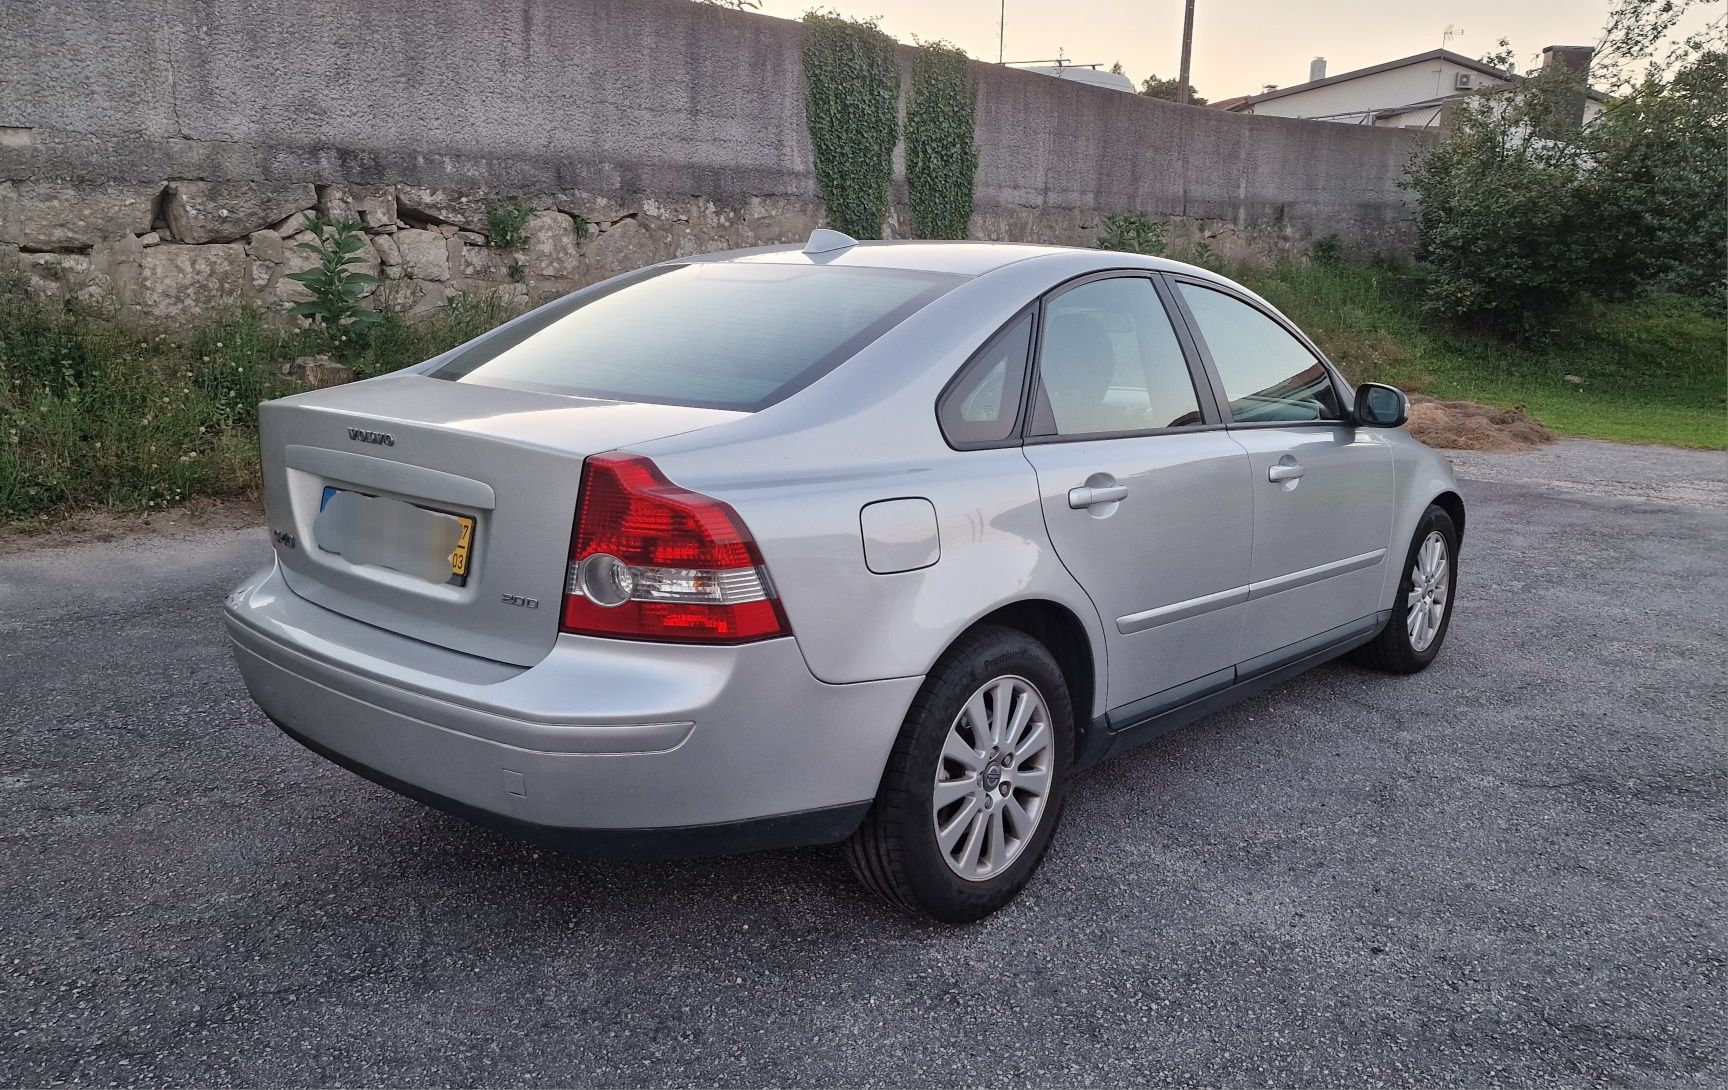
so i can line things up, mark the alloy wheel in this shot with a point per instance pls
(993, 779)
(1429, 585)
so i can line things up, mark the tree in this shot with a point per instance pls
(1522, 215)
(1660, 176)
(1116, 69)
(1153, 87)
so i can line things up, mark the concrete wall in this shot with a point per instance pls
(1051, 146)
(644, 94)
(157, 153)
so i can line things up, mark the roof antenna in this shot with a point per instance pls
(823, 241)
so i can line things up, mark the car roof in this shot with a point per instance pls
(958, 258)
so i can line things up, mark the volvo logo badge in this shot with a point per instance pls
(382, 438)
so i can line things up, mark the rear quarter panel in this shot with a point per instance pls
(800, 472)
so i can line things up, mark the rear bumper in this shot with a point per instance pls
(825, 826)
(603, 747)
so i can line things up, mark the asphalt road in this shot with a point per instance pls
(1508, 870)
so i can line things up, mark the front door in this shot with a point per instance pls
(1321, 488)
(1146, 499)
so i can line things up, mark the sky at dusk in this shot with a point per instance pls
(1239, 45)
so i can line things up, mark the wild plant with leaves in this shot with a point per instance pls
(335, 284)
(507, 223)
(1132, 234)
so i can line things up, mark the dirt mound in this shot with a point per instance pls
(1465, 425)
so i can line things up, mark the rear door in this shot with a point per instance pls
(1145, 495)
(1322, 489)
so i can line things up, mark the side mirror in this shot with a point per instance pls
(1381, 406)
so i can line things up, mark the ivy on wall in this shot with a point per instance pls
(852, 104)
(941, 159)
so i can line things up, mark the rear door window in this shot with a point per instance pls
(1110, 362)
(725, 335)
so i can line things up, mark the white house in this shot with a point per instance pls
(1089, 74)
(1405, 93)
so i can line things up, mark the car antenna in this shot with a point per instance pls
(823, 241)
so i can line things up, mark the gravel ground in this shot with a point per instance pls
(1508, 870)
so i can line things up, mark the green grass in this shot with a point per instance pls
(96, 413)
(1654, 370)
(93, 414)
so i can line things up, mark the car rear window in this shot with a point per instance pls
(717, 335)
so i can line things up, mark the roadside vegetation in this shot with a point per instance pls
(98, 413)
(1648, 370)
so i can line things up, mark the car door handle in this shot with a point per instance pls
(1290, 472)
(1086, 495)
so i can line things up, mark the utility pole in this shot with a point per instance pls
(1002, 32)
(1187, 51)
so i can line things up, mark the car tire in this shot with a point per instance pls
(1411, 639)
(907, 850)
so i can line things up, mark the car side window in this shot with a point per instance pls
(982, 405)
(1109, 361)
(1267, 373)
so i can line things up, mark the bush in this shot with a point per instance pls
(1524, 220)
(1504, 226)
(852, 108)
(1203, 255)
(1661, 176)
(1326, 250)
(941, 158)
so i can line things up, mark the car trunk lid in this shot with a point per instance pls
(442, 510)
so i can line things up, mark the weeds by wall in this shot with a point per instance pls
(96, 412)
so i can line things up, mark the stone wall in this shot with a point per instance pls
(196, 245)
(159, 156)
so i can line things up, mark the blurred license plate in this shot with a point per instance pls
(395, 534)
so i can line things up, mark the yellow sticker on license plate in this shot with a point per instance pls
(459, 558)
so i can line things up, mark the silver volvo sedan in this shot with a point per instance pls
(877, 543)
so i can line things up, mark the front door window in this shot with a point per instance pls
(1267, 373)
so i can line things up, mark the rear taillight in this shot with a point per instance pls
(652, 561)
